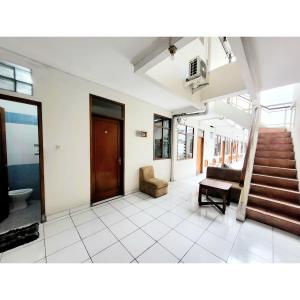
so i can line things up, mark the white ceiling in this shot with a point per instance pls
(172, 73)
(274, 61)
(106, 61)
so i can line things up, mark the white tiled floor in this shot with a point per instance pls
(169, 229)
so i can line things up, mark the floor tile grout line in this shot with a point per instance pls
(120, 240)
(45, 243)
(233, 244)
(253, 253)
(69, 214)
(139, 228)
(117, 240)
(60, 249)
(156, 241)
(81, 240)
(196, 242)
(176, 204)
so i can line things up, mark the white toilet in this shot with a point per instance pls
(19, 198)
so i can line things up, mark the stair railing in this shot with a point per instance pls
(282, 107)
(246, 173)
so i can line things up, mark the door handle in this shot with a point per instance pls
(120, 161)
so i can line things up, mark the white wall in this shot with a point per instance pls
(225, 80)
(187, 167)
(230, 112)
(65, 108)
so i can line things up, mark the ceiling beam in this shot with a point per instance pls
(157, 52)
(238, 49)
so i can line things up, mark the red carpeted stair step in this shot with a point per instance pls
(280, 182)
(274, 140)
(271, 130)
(275, 171)
(274, 197)
(274, 134)
(276, 147)
(275, 193)
(273, 219)
(276, 206)
(275, 162)
(275, 154)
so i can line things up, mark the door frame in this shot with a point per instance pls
(122, 146)
(38, 104)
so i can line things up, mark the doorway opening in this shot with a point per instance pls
(21, 163)
(107, 148)
(200, 151)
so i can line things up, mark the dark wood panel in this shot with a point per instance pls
(4, 200)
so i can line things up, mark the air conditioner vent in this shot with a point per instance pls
(193, 67)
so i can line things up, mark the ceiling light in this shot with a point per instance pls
(172, 49)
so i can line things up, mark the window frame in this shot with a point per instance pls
(186, 134)
(14, 80)
(163, 118)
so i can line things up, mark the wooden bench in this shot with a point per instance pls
(213, 185)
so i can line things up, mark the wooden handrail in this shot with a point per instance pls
(252, 130)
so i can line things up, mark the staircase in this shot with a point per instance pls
(274, 196)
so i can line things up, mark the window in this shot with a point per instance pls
(217, 150)
(185, 142)
(162, 137)
(15, 78)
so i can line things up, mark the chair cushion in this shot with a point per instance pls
(158, 183)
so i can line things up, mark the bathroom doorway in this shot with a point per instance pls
(21, 163)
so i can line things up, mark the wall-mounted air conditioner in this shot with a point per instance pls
(198, 73)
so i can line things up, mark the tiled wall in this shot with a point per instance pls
(23, 164)
(25, 176)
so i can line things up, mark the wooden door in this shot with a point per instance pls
(223, 154)
(106, 158)
(4, 199)
(200, 143)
